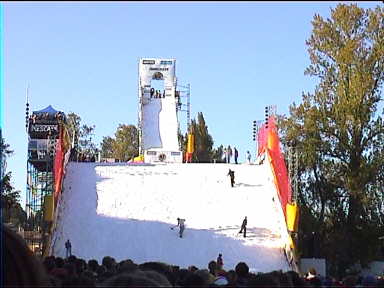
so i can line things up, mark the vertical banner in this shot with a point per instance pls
(268, 139)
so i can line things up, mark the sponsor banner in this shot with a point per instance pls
(44, 128)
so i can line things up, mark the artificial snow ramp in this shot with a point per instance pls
(126, 211)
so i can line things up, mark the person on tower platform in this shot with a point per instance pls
(229, 154)
(236, 154)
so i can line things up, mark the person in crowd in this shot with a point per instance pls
(248, 157)
(135, 279)
(220, 262)
(244, 227)
(229, 154)
(212, 267)
(236, 154)
(20, 268)
(224, 155)
(68, 249)
(242, 272)
(231, 174)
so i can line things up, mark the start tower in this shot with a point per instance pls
(158, 104)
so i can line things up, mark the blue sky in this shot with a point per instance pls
(83, 58)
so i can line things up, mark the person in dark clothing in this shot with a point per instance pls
(236, 154)
(232, 175)
(181, 225)
(68, 248)
(219, 262)
(244, 227)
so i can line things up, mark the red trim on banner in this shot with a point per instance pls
(58, 166)
(268, 140)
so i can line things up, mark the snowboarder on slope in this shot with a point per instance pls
(232, 175)
(244, 227)
(68, 248)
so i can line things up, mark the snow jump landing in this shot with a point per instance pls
(126, 211)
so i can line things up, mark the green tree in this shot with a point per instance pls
(81, 135)
(124, 146)
(340, 135)
(126, 142)
(203, 140)
(107, 147)
(218, 154)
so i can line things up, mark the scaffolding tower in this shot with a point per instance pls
(43, 133)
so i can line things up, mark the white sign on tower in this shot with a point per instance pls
(158, 123)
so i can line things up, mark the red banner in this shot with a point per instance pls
(58, 166)
(268, 141)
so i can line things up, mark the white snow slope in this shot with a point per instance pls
(126, 211)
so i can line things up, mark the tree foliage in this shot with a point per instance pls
(124, 146)
(10, 197)
(340, 135)
(81, 135)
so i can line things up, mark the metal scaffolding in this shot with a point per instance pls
(43, 132)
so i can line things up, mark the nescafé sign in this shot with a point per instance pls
(44, 128)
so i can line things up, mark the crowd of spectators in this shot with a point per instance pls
(23, 269)
(38, 117)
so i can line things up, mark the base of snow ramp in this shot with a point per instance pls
(127, 210)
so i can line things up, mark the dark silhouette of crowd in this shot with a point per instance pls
(23, 269)
(46, 118)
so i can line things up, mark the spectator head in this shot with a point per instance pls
(22, 267)
(212, 267)
(159, 267)
(242, 269)
(135, 279)
(263, 280)
(49, 263)
(59, 262)
(312, 272)
(295, 278)
(92, 265)
(231, 277)
(109, 262)
(193, 280)
(156, 277)
(206, 276)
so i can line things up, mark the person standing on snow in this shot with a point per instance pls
(236, 154)
(244, 227)
(181, 225)
(232, 175)
(229, 154)
(219, 262)
(249, 157)
(68, 248)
